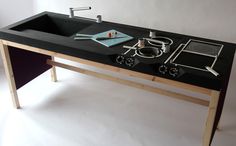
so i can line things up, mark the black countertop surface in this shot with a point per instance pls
(94, 51)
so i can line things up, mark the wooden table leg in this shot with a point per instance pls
(53, 72)
(9, 74)
(218, 126)
(211, 118)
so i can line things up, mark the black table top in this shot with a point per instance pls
(96, 52)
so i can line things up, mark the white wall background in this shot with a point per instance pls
(14, 10)
(205, 18)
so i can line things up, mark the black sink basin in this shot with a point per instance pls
(54, 25)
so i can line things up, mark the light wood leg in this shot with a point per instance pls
(9, 74)
(218, 126)
(211, 117)
(53, 72)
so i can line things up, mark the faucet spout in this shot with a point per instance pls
(81, 8)
(72, 10)
(72, 15)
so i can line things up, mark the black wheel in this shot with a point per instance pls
(163, 69)
(129, 61)
(173, 72)
(120, 59)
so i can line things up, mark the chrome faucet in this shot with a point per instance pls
(72, 15)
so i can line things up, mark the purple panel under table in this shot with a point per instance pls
(27, 65)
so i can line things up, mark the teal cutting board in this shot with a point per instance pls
(113, 41)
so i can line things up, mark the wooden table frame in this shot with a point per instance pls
(215, 104)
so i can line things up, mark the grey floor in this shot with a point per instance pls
(80, 110)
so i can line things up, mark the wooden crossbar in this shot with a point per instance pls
(131, 83)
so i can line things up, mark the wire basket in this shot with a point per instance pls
(198, 54)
